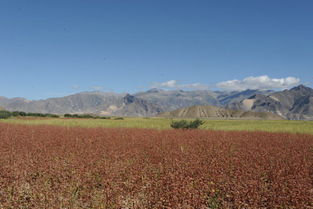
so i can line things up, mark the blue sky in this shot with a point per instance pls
(51, 48)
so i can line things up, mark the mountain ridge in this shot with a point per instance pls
(218, 112)
(295, 103)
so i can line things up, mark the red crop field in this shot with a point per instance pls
(59, 167)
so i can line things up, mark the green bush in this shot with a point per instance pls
(67, 115)
(52, 115)
(101, 117)
(119, 118)
(35, 114)
(16, 113)
(5, 114)
(31, 114)
(86, 116)
(184, 124)
(23, 114)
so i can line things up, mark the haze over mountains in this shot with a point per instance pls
(296, 103)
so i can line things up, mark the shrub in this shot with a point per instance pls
(67, 115)
(184, 124)
(85, 116)
(35, 114)
(5, 114)
(22, 114)
(16, 113)
(52, 115)
(195, 124)
(31, 114)
(119, 118)
(101, 117)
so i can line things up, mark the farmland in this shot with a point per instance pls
(288, 126)
(45, 166)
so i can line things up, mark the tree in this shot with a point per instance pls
(5, 114)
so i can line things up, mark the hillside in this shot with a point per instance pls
(294, 104)
(148, 103)
(174, 99)
(217, 112)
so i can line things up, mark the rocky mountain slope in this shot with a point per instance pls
(174, 99)
(218, 112)
(147, 103)
(225, 98)
(294, 104)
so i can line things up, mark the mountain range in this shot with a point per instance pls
(293, 104)
(148, 103)
(296, 103)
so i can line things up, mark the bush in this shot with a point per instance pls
(184, 124)
(52, 115)
(5, 114)
(102, 117)
(119, 118)
(85, 116)
(35, 114)
(31, 114)
(16, 113)
(23, 114)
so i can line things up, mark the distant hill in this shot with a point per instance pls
(174, 99)
(148, 103)
(217, 112)
(295, 104)
(225, 98)
(133, 106)
(86, 102)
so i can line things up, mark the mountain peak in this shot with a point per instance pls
(154, 90)
(302, 88)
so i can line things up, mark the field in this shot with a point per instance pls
(73, 167)
(305, 127)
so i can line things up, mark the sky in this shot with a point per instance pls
(53, 48)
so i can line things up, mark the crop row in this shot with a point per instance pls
(60, 167)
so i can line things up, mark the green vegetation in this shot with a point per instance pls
(48, 115)
(162, 123)
(5, 114)
(184, 124)
(87, 116)
(119, 118)
(18, 113)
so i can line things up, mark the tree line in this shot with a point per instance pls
(7, 114)
(4, 114)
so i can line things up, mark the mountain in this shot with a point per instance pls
(225, 98)
(174, 99)
(86, 102)
(133, 106)
(217, 112)
(294, 104)
(78, 103)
